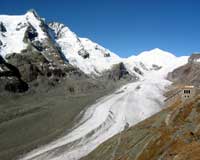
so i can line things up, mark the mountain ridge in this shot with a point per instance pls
(83, 53)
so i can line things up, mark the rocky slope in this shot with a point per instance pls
(189, 73)
(172, 134)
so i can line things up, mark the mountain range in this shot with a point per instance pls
(62, 95)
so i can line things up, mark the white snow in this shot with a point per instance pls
(100, 58)
(13, 39)
(97, 62)
(129, 105)
(71, 44)
(157, 57)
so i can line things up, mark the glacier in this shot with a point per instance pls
(127, 106)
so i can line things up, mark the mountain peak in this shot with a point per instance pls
(157, 50)
(32, 13)
(156, 56)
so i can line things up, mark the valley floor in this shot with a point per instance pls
(31, 120)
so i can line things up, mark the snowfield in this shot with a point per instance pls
(129, 105)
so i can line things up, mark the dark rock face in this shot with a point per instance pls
(27, 65)
(16, 86)
(31, 67)
(107, 55)
(188, 74)
(83, 53)
(48, 47)
(12, 70)
(156, 67)
(30, 34)
(38, 45)
(14, 83)
(1, 43)
(21, 26)
(1, 60)
(137, 70)
(118, 72)
(2, 27)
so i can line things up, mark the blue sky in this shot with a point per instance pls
(125, 27)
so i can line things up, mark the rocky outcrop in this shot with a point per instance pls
(30, 34)
(16, 86)
(188, 74)
(137, 70)
(156, 67)
(31, 65)
(1, 43)
(2, 27)
(21, 26)
(57, 30)
(29, 70)
(83, 53)
(11, 79)
(118, 72)
(106, 54)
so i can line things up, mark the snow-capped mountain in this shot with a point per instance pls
(82, 53)
(89, 56)
(13, 28)
(155, 56)
(54, 51)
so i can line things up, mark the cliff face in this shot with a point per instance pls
(189, 73)
(172, 134)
